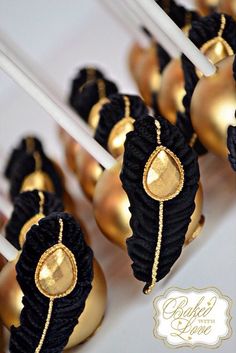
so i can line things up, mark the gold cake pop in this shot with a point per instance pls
(172, 91)
(204, 7)
(111, 209)
(148, 75)
(135, 56)
(228, 7)
(213, 107)
(11, 303)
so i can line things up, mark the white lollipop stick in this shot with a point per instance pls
(159, 35)
(58, 110)
(159, 19)
(7, 250)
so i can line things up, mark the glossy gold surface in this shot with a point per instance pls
(197, 219)
(163, 176)
(117, 136)
(111, 206)
(26, 227)
(90, 319)
(148, 76)
(88, 172)
(216, 49)
(10, 296)
(71, 148)
(94, 311)
(94, 116)
(37, 180)
(213, 107)
(228, 7)
(56, 273)
(203, 6)
(111, 209)
(171, 91)
(135, 56)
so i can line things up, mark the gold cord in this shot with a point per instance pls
(193, 140)
(160, 228)
(61, 231)
(30, 145)
(47, 323)
(38, 161)
(222, 25)
(49, 315)
(127, 106)
(41, 201)
(90, 72)
(101, 89)
(157, 251)
(158, 127)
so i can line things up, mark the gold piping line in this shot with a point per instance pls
(157, 251)
(158, 127)
(50, 307)
(101, 89)
(41, 201)
(193, 140)
(127, 106)
(61, 231)
(30, 145)
(38, 161)
(49, 315)
(222, 26)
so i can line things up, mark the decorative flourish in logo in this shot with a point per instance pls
(192, 317)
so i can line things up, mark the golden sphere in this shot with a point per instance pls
(148, 76)
(213, 107)
(111, 206)
(89, 321)
(228, 7)
(171, 91)
(197, 219)
(71, 148)
(88, 172)
(204, 6)
(134, 58)
(37, 180)
(94, 114)
(111, 209)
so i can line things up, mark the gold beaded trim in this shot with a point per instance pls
(127, 106)
(101, 89)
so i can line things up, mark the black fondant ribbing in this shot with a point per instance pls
(144, 222)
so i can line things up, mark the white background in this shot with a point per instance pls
(61, 36)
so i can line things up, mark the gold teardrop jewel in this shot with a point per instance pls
(119, 131)
(163, 180)
(33, 220)
(216, 49)
(55, 277)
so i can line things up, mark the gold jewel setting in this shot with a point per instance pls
(55, 276)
